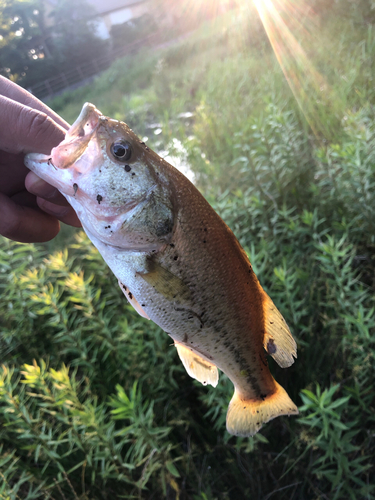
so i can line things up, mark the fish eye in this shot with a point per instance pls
(121, 150)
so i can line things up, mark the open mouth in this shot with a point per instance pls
(54, 168)
(77, 137)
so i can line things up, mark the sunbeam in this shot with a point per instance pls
(284, 21)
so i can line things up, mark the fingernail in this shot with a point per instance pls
(51, 208)
(41, 188)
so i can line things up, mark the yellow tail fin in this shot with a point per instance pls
(246, 417)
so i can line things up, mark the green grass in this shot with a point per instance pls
(124, 420)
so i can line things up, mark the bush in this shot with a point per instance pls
(93, 399)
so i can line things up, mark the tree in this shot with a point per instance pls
(75, 32)
(23, 37)
(34, 46)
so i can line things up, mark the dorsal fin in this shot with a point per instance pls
(196, 366)
(278, 340)
(133, 301)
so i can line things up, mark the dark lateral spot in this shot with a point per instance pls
(107, 227)
(263, 396)
(130, 295)
(257, 411)
(143, 305)
(175, 257)
(99, 198)
(204, 241)
(271, 346)
(171, 245)
(75, 187)
(133, 173)
(127, 168)
(124, 287)
(205, 229)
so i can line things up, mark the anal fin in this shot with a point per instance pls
(278, 340)
(133, 301)
(196, 366)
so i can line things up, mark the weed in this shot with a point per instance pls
(94, 402)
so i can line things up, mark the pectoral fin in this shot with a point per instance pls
(133, 301)
(196, 366)
(278, 340)
(166, 283)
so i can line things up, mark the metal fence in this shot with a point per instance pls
(77, 74)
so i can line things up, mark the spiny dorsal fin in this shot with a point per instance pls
(278, 340)
(196, 366)
(133, 301)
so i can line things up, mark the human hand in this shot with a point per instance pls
(30, 209)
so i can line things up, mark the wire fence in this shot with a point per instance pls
(77, 74)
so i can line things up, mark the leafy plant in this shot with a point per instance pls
(94, 402)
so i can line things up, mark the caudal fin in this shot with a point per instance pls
(246, 416)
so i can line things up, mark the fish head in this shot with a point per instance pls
(111, 178)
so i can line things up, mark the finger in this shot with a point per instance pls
(42, 189)
(25, 199)
(26, 130)
(64, 214)
(12, 173)
(26, 224)
(17, 93)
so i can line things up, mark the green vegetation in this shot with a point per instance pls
(39, 40)
(106, 410)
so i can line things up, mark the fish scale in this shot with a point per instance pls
(177, 262)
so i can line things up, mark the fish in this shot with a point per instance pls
(176, 261)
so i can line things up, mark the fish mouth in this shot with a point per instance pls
(54, 168)
(77, 137)
(44, 168)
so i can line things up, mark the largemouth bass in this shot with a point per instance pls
(176, 261)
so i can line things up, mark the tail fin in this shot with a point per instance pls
(246, 417)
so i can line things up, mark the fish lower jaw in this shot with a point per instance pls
(43, 167)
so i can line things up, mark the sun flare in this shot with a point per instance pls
(286, 23)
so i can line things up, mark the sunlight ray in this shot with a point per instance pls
(285, 23)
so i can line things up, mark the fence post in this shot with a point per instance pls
(48, 87)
